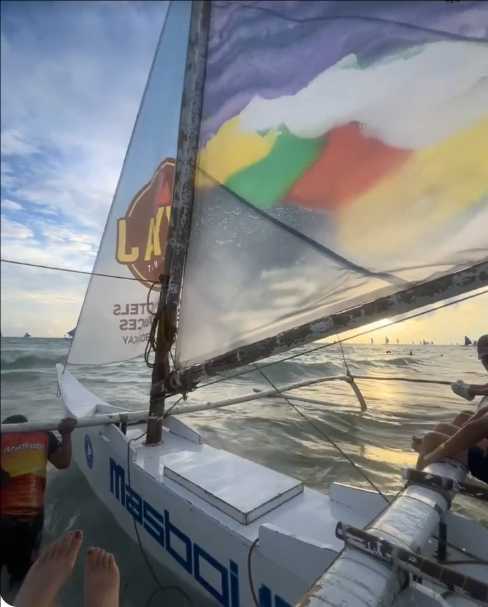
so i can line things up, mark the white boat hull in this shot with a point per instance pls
(198, 509)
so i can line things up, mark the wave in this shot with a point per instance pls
(400, 361)
(30, 361)
(298, 369)
(291, 371)
(27, 377)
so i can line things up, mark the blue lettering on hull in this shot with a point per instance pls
(187, 553)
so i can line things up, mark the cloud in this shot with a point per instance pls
(11, 230)
(14, 144)
(11, 205)
(48, 243)
(72, 100)
(46, 304)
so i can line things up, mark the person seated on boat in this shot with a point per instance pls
(24, 457)
(466, 443)
(469, 391)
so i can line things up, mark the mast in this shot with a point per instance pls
(164, 327)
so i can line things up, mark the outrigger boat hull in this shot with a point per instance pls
(198, 510)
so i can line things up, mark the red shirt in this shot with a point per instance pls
(24, 458)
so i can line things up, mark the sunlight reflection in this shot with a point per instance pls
(397, 458)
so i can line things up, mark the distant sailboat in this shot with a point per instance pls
(27, 335)
(467, 341)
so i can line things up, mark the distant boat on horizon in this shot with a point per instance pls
(27, 335)
(467, 341)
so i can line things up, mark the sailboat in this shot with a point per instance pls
(467, 341)
(255, 226)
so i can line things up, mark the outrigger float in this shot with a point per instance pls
(298, 149)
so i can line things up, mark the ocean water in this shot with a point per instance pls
(267, 431)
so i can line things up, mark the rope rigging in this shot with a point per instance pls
(324, 435)
(69, 270)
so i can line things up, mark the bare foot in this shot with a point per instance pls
(102, 579)
(49, 572)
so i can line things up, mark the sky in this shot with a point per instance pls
(72, 79)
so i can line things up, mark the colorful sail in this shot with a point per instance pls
(343, 156)
(117, 312)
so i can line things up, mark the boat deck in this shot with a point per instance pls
(241, 494)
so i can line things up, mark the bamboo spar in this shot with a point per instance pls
(128, 417)
(412, 298)
(134, 417)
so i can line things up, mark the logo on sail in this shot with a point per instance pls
(142, 233)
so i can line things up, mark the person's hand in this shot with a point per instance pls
(425, 460)
(462, 389)
(417, 443)
(430, 458)
(67, 425)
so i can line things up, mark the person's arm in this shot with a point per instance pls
(478, 389)
(61, 457)
(465, 438)
(479, 413)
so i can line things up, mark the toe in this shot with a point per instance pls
(101, 557)
(113, 566)
(106, 559)
(64, 545)
(49, 553)
(75, 540)
(91, 557)
(109, 563)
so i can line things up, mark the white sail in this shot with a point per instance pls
(116, 316)
(330, 166)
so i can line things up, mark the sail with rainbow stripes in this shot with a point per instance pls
(343, 155)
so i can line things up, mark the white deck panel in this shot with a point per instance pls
(309, 515)
(238, 487)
